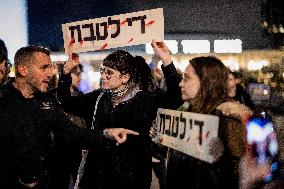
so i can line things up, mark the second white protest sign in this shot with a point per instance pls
(187, 132)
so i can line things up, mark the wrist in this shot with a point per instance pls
(167, 61)
(65, 69)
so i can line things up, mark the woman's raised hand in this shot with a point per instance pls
(162, 51)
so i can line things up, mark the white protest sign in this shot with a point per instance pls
(187, 132)
(114, 31)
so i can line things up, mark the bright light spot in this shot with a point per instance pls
(256, 133)
(265, 92)
(94, 79)
(257, 65)
(228, 46)
(181, 65)
(195, 46)
(273, 147)
(90, 79)
(58, 57)
(171, 44)
(232, 64)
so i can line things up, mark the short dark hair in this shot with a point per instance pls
(25, 54)
(119, 60)
(234, 74)
(77, 70)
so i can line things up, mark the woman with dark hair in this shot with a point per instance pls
(237, 92)
(143, 76)
(5, 64)
(204, 87)
(126, 101)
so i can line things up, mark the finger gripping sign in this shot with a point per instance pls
(187, 132)
(114, 31)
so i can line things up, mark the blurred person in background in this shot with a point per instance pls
(237, 92)
(204, 88)
(76, 75)
(157, 73)
(5, 64)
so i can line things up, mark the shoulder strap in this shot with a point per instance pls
(95, 111)
(85, 152)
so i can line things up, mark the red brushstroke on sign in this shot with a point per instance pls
(104, 46)
(150, 23)
(71, 41)
(123, 22)
(81, 42)
(207, 134)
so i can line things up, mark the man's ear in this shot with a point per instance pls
(23, 70)
(125, 78)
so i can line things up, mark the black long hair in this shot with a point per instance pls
(143, 75)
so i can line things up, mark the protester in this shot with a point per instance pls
(5, 64)
(204, 88)
(31, 118)
(125, 102)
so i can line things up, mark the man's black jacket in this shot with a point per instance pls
(27, 129)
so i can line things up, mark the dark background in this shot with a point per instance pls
(184, 19)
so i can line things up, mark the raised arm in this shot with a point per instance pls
(65, 80)
(77, 105)
(162, 51)
(171, 99)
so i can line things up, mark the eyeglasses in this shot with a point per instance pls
(108, 72)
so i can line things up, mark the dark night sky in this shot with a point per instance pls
(184, 19)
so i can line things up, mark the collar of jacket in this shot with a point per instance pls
(10, 91)
(235, 109)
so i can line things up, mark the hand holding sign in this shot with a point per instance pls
(216, 148)
(73, 61)
(162, 51)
